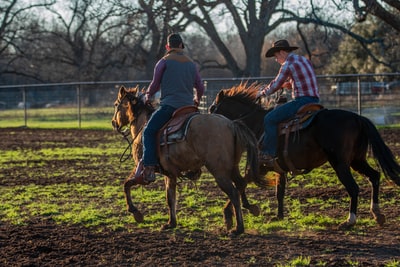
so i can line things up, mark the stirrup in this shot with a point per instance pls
(149, 175)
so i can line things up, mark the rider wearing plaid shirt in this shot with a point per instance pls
(297, 73)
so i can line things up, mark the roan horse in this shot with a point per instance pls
(336, 136)
(211, 140)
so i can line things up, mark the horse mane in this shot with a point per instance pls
(131, 94)
(243, 92)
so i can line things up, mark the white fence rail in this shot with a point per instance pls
(376, 96)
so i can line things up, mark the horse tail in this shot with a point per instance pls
(381, 151)
(245, 137)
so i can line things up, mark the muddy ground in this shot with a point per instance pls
(42, 242)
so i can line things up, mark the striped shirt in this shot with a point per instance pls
(299, 71)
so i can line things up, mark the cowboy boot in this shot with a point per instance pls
(149, 175)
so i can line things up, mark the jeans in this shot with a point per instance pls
(157, 120)
(277, 115)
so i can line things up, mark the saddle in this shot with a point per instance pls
(176, 128)
(302, 119)
(173, 131)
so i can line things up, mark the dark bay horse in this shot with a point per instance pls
(212, 141)
(336, 136)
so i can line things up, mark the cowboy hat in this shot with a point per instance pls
(280, 45)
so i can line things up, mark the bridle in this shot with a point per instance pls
(135, 110)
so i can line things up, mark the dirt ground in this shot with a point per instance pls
(44, 243)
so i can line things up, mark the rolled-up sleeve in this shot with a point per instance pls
(280, 79)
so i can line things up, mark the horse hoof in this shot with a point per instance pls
(138, 216)
(229, 226)
(254, 210)
(235, 233)
(380, 219)
(276, 218)
(168, 226)
(345, 226)
(228, 221)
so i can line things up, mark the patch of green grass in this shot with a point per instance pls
(58, 118)
(297, 262)
(97, 199)
(393, 263)
(72, 204)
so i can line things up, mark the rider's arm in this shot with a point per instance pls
(279, 80)
(156, 82)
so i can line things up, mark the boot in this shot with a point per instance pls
(149, 175)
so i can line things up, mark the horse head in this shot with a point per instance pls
(241, 103)
(128, 107)
(236, 101)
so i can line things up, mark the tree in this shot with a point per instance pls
(14, 23)
(89, 39)
(386, 10)
(352, 57)
(254, 20)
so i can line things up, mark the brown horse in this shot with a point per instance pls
(212, 141)
(336, 136)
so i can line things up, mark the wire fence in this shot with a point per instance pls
(85, 104)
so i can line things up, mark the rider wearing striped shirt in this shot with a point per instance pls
(296, 73)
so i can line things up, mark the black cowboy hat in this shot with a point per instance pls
(174, 40)
(280, 45)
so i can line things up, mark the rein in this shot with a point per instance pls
(124, 157)
(125, 134)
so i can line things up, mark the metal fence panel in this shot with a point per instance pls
(376, 96)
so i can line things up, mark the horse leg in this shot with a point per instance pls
(229, 209)
(170, 188)
(227, 187)
(129, 182)
(374, 178)
(280, 194)
(241, 184)
(344, 174)
(252, 208)
(228, 215)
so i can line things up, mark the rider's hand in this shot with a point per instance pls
(147, 99)
(196, 102)
(286, 85)
(260, 94)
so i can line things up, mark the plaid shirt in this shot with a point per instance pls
(299, 72)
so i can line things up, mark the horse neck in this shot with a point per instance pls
(137, 126)
(251, 115)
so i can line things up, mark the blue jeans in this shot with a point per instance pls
(157, 120)
(277, 115)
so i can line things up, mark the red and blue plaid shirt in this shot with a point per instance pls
(299, 71)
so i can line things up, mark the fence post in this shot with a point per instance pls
(25, 107)
(78, 98)
(358, 95)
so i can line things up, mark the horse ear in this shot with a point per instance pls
(221, 95)
(122, 90)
